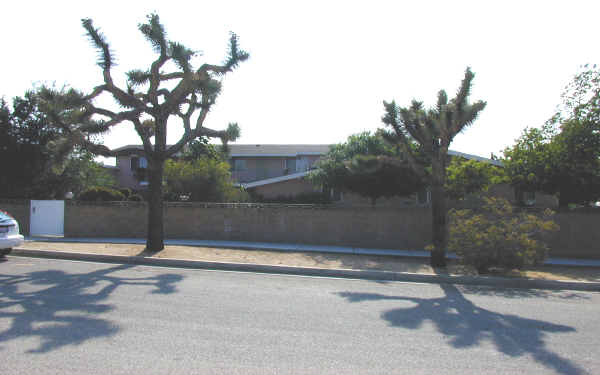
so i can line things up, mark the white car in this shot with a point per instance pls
(9, 233)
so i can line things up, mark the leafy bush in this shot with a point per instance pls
(126, 192)
(201, 180)
(302, 198)
(497, 236)
(135, 198)
(466, 177)
(100, 193)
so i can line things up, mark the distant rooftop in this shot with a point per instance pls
(261, 149)
(291, 150)
(277, 150)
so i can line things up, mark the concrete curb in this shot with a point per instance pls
(283, 247)
(321, 272)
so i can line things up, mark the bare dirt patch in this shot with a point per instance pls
(309, 259)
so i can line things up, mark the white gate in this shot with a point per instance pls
(47, 218)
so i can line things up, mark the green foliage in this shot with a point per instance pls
(135, 198)
(30, 166)
(528, 162)
(101, 194)
(466, 177)
(365, 164)
(581, 97)
(80, 172)
(563, 156)
(126, 192)
(201, 180)
(302, 198)
(24, 136)
(498, 236)
(199, 148)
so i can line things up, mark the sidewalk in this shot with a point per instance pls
(295, 247)
(325, 261)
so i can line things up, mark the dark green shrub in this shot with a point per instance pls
(102, 194)
(497, 236)
(135, 198)
(126, 192)
(302, 198)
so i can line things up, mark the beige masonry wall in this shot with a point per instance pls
(380, 227)
(308, 224)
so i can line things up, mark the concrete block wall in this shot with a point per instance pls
(379, 227)
(361, 227)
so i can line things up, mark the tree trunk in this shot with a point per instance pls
(565, 197)
(155, 236)
(439, 212)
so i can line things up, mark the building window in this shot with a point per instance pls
(289, 165)
(239, 165)
(135, 162)
(138, 163)
(139, 168)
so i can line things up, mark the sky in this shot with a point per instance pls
(319, 71)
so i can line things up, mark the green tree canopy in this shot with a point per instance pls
(367, 165)
(563, 156)
(466, 177)
(204, 179)
(29, 168)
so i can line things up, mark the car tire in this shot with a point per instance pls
(4, 252)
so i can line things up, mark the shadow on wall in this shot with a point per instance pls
(467, 325)
(63, 310)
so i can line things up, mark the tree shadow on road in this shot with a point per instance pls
(64, 309)
(521, 293)
(467, 325)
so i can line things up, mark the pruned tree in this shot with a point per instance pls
(366, 165)
(468, 177)
(433, 130)
(205, 179)
(152, 98)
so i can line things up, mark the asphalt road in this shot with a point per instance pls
(90, 318)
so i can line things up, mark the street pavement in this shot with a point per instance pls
(59, 316)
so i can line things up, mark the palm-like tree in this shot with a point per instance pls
(151, 98)
(433, 129)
